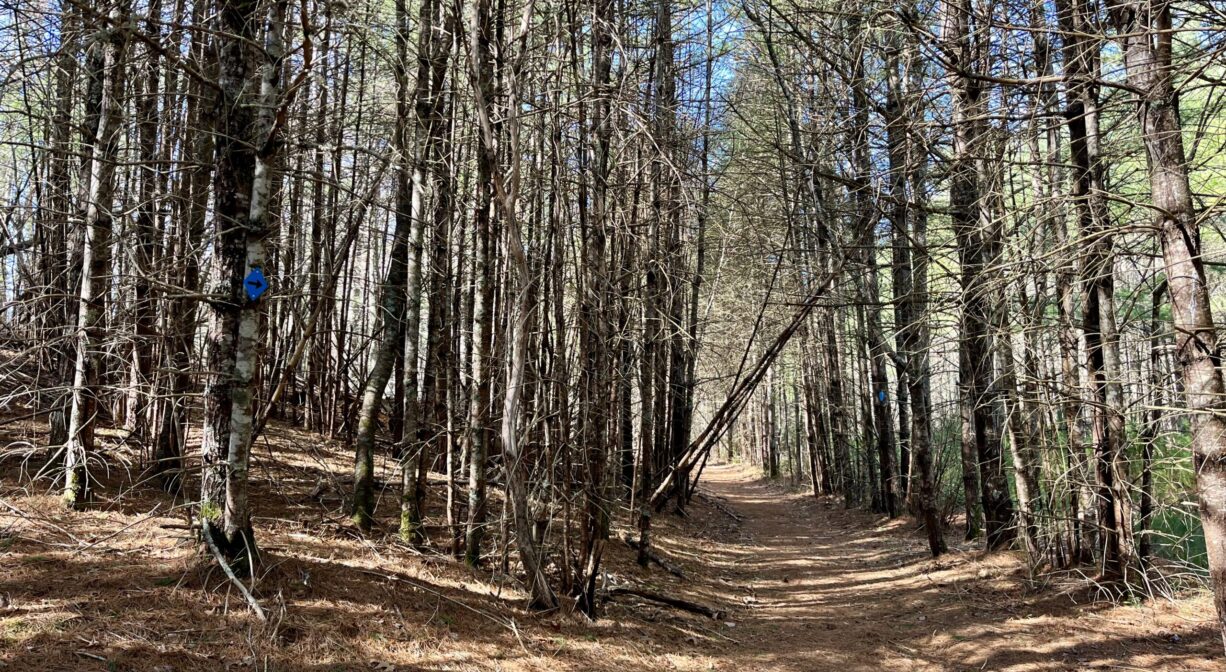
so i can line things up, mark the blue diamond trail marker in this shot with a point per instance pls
(256, 284)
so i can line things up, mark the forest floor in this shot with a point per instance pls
(805, 584)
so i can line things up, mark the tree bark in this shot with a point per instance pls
(1098, 287)
(394, 297)
(139, 402)
(505, 193)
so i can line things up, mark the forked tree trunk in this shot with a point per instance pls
(247, 145)
(505, 193)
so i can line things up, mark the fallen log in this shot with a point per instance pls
(651, 555)
(675, 602)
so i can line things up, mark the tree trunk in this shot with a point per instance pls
(1145, 33)
(393, 294)
(1150, 429)
(106, 69)
(980, 435)
(139, 402)
(247, 145)
(506, 192)
(1098, 285)
(173, 428)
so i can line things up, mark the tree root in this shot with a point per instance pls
(225, 567)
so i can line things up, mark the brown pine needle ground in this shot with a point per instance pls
(806, 584)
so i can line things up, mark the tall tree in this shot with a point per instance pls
(909, 223)
(483, 368)
(506, 191)
(595, 338)
(105, 72)
(1103, 365)
(394, 299)
(964, 46)
(144, 254)
(1145, 33)
(251, 48)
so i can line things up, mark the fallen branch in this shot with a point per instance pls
(121, 530)
(46, 522)
(720, 505)
(651, 555)
(507, 623)
(27, 416)
(225, 567)
(675, 602)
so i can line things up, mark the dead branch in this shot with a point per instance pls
(675, 602)
(721, 506)
(654, 557)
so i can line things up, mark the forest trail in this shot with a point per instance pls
(824, 588)
(398, 309)
(807, 586)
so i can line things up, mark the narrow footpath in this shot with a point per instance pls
(817, 587)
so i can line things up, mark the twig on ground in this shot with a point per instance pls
(40, 520)
(121, 530)
(717, 634)
(509, 624)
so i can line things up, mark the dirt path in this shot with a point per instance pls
(829, 589)
(808, 586)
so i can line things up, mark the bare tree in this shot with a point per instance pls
(105, 74)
